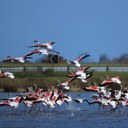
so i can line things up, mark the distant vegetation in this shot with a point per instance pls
(49, 78)
(119, 60)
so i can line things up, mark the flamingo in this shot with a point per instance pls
(47, 45)
(18, 59)
(102, 90)
(76, 62)
(36, 44)
(116, 79)
(54, 98)
(65, 85)
(123, 102)
(60, 99)
(28, 103)
(7, 74)
(39, 51)
(111, 80)
(13, 104)
(93, 88)
(117, 94)
(101, 102)
(81, 74)
(47, 99)
(113, 104)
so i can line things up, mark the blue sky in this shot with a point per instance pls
(77, 26)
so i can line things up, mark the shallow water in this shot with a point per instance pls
(73, 116)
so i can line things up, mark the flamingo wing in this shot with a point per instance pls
(71, 62)
(33, 52)
(72, 75)
(89, 75)
(87, 68)
(70, 80)
(55, 51)
(36, 45)
(82, 57)
(4, 104)
(51, 43)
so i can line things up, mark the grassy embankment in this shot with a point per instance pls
(49, 78)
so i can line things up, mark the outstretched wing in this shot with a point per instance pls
(87, 68)
(70, 62)
(82, 57)
(55, 51)
(51, 43)
(70, 80)
(33, 52)
(89, 75)
(36, 45)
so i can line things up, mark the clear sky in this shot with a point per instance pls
(77, 26)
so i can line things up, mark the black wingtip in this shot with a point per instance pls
(31, 46)
(35, 41)
(88, 55)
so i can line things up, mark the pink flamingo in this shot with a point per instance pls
(76, 62)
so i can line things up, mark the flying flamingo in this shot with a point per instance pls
(47, 45)
(65, 85)
(18, 59)
(81, 74)
(13, 104)
(41, 51)
(91, 88)
(7, 74)
(111, 80)
(76, 62)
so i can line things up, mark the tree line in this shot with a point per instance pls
(121, 59)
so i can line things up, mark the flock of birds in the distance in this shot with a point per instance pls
(56, 96)
(41, 49)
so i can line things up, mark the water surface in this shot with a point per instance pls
(72, 116)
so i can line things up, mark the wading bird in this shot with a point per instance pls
(7, 74)
(17, 59)
(12, 103)
(76, 62)
(111, 80)
(66, 84)
(47, 45)
(81, 74)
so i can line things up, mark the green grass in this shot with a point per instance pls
(49, 78)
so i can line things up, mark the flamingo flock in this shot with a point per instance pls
(41, 49)
(53, 98)
(48, 98)
(104, 96)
